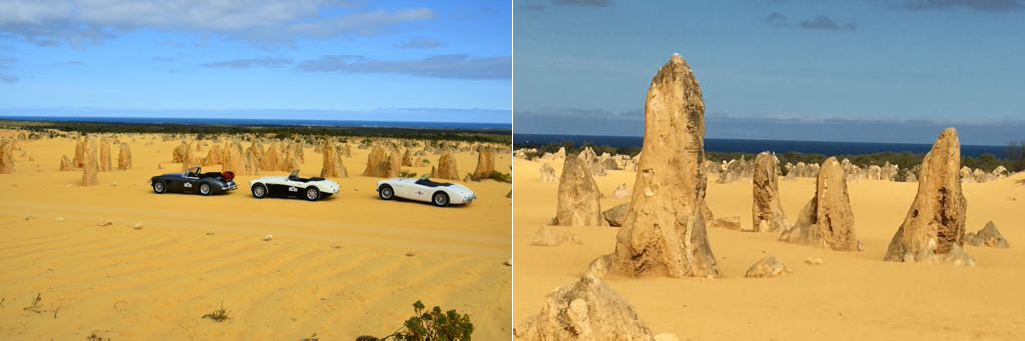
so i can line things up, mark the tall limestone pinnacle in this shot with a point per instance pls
(934, 228)
(664, 234)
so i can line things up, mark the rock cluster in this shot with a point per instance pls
(333, 166)
(987, 236)
(826, 220)
(933, 230)
(664, 234)
(585, 310)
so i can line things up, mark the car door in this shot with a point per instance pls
(190, 184)
(419, 192)
(173, 183)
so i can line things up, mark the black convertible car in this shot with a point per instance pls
(194, 181)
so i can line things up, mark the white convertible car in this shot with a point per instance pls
(292, 185)
(423, 189)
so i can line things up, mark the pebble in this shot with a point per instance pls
(60, 219)
(410, 253)
(27, 218)
(105, 223)
(508, 262)
(813, 261)
(268, 238)
(209, 233)
(336, 246)
(137, 226)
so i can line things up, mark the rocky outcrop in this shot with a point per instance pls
(237, 161)
(664, 234)
(79, 160)
(377, 163)
(934, 227)
(554, 236)
(407, 158)
(124, 157)
(616, 216)
(826, 220)
(485, 163)
(105, 158)
(214, 157)
(182, 154)
(548, 173)
(6, 156)
(987, 236)
(767, 210)
(447, 167)
(579, 203)
(67, 164)
(729, 223)
(90, 164)
(586, 310)
(770, 266)
(622, 191)
(333, 166)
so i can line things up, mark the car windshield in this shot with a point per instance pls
(192, 172)
(294, 175)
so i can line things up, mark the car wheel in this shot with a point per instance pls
(312, 194)
(440, 199)
(204, 189)
(159, 187)
(386, 192)
(259, 191)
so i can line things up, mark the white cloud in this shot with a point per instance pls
(79, 22)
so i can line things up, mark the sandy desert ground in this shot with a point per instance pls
(156, 283)
(853, 295)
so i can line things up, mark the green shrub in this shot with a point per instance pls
(433, 325)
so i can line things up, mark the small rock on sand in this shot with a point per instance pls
(209, 233)
(508, 262)
(105, 223)
(770, 266)
(268, 238)
(336, 246)
(410, 253)
(60, 219)
(813, 261)
(137, 226)
(27, 218)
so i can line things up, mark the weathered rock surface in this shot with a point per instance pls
(6, 156)
(485, 163)
(67, 164)
(934, 227)
(622, 191)
(770, 266)
(767, 206)
(554, 236)
(729, 223)
(105, 158)
(90, 165)
(585, 310)
(616, 216)
(333, 166)
(548, 173)
(579, 198)
(987, 236)
(447, 167)
(827, 219)
(664, 234)
(124, 157)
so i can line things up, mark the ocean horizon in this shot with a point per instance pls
(757, 146)
(263, 121)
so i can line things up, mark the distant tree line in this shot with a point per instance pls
(281, 131)
(987, 161)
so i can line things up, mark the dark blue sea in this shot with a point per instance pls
(756, 146)
(264, 122)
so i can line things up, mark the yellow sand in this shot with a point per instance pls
(854, 295)
(156, 283)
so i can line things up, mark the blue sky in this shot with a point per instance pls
(328, 59)
(841, 70)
